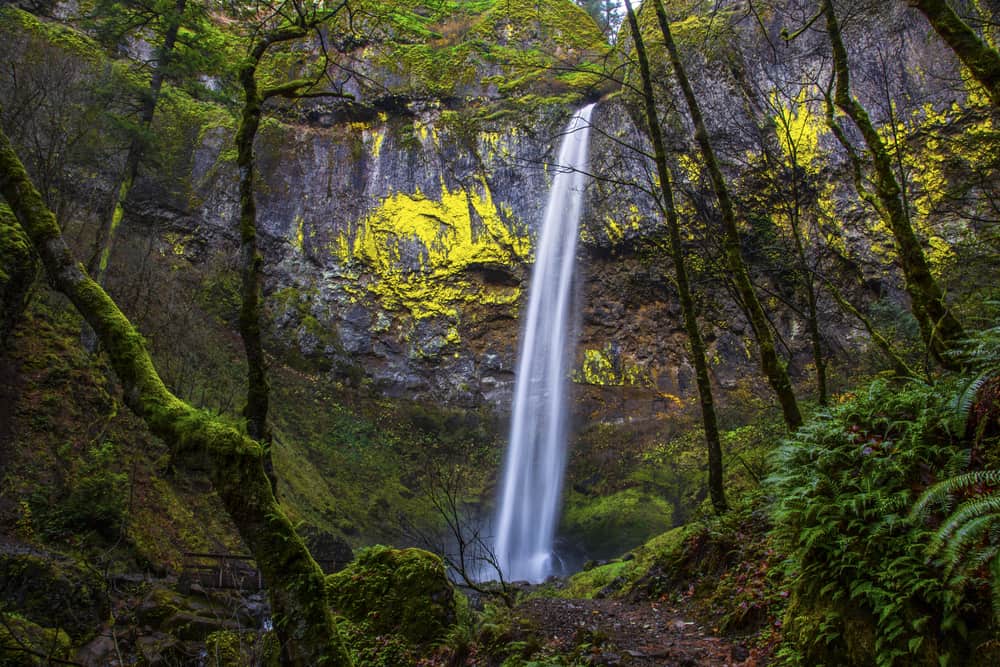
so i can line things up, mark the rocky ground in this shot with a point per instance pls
(623, 633)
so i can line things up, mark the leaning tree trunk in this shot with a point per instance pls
(303, 619)
(698, 357)
(940, 330)
(982, 60)
(771, 363)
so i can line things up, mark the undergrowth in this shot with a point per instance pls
(863, 586)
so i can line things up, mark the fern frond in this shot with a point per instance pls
(955, 552)
(972, 509)
(957, 464)
(967, 397)
(995, 587)
(939, 493)
(981, 557)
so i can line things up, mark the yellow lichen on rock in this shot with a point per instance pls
(616, 229)
(419, 250)
(604, 368)
(799, 129)
(378, 136)
(299, 232)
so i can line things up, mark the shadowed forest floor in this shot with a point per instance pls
(623, 633)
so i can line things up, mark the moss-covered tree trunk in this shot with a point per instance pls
(771, 363)
(303, 619)
(939, 328)
(98, 264)
(18, 270)
(697, 344)
(251, 261)
(982, 60)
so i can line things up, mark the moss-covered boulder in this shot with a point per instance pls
(25, 643)
(228, 648)
(396, 591)
(828, 633)
(51, 590)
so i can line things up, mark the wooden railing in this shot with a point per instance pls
(234, 571)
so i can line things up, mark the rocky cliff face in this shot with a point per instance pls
(400, 249)
(398, 231)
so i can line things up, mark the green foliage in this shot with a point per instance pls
(229, 648)
(63, 105)
(17, 271)
(95, 498)
(202, 49)
(862, 588)
(370, 647)
(967, 543)
(967, 539)
(54, 591)
(608, 524)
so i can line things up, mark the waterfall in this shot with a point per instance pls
(536, 456)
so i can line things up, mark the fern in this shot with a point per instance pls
(969, 537)
(967, 397)
(844, 487)
(944, 490)
(981, 355)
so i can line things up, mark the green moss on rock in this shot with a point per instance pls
(15, 20)
(396, 591)
(228, 648)
(594, 581)
(829, 633)
(511, 45)
(25, 643)
(52, 591)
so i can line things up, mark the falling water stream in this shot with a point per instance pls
(536, 456)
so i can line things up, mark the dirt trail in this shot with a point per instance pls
(631, 634)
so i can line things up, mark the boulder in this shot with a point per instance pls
(52, 590)
(396, 591)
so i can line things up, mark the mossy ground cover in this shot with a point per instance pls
(80, 471)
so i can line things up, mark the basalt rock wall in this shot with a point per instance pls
(398, 243)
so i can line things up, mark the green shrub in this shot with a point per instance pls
(96, 498)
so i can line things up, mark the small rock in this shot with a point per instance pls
(740, 653)
(97, 652)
